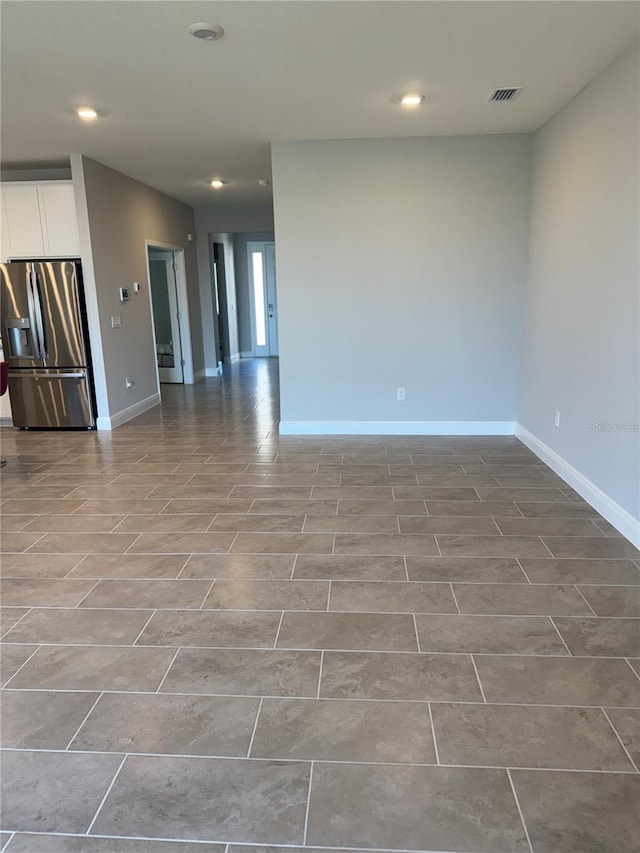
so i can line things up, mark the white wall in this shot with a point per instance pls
(116, 215)
(401, 262)
(582, 336)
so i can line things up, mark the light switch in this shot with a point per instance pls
(116, 323)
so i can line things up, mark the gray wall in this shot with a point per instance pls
(242, 284)
(117, 214)
(581, 349)
(401, 262)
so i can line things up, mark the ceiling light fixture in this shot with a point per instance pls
(411, 99)
(86, 113)
(217, 184)
(206, 32)
(263, 182)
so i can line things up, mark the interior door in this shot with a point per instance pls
(262, 277)
(164, 298)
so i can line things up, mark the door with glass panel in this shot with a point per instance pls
(264, 305)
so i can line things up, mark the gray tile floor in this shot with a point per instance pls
(220, 640)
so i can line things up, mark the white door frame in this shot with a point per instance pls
(183, 306)
(255, 246)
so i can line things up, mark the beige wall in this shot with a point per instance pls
(117, 215)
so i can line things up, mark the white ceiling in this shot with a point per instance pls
(178, 111)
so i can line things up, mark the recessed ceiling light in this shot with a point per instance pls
(263, 182)
(216, 183)
(207, 32)
(87, 113)
(411, 99)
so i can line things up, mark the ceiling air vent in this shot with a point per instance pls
(505, 94)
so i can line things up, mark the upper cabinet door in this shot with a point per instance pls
(21, 226)
(59, 221)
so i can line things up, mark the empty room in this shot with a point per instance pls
(320, 426)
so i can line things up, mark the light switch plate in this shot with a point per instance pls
(116, 323)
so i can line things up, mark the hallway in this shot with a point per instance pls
(214, 634)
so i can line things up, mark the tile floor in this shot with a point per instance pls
(217, 639)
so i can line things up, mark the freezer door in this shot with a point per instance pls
(50, 398)
(58, 308)
(19, 327)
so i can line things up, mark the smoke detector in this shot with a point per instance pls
(206, 32)
(508, 93)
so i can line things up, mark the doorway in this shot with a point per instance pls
(220, 307)
(167, 314)
(261, 261)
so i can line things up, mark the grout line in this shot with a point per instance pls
(637, 675)
(142, 630)
(455, 600)
(275, 642)
(331, 761)
(207, 594)
(293, 568)
(5, 846)
(615, 731)
(560, 635)
(186, 563)
(517, 559)
(108, 791)
(306, 817)
(515, 797)
(77, 731)
(255, 726)
(173, 660)
(15, 624)
(547, 547)
(577, 589)
(475, 669)
(406, 569)
(329, 596)
(415, 628)
(29, 658)
(320, 674)
(87, 594)
(433, 734)
(77, 565)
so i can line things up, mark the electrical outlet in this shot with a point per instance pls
(129, 382)
(400, 393)
(556, 420)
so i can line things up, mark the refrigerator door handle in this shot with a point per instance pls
(35, 336)
(31, 374)
(37, 305)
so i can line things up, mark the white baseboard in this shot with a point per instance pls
(246, 354)
(235, 357)
(6, 421)
(107, 423)
(616, 515)
(199, 375)
(397, 427)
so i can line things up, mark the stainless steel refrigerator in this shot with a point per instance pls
(44, 334)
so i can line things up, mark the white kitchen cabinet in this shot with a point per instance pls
(21, 215)
(38, 221)
(59, 221)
